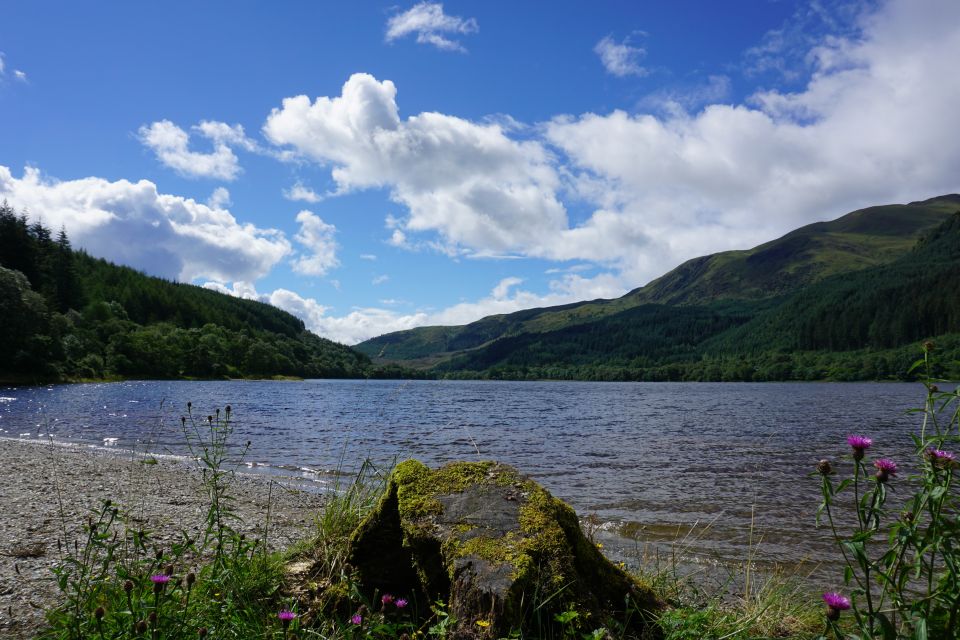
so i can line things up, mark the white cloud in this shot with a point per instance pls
(867, 129)
(219, 199)
(317, 237)
(380, 279)
(368, 256)
(132, 224)
(170, 143)
(20, 75)
(431, 26)
(470, 182)
(363, 323)
(302, 193)
(619, 58)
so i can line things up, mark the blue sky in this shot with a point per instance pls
(378, 166)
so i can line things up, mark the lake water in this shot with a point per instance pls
(655, 461)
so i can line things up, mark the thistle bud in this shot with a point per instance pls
(824, 467)
(98, 613)
(191, 578)
(202, 632)
(140, 628)
(128, 586)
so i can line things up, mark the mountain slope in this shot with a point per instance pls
(858, 240)
(66, 315)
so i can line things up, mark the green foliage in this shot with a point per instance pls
(902, 570)
(71, 316)
(117, 584)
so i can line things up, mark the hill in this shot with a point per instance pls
(701, 298)
(67, 315)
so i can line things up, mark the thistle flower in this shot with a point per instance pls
(885, 469)
(387, 598)
(859, 444)
(940, 458)
(159, 582)
(286, 617)
(356, 619)
(400, 603)
(835, 604)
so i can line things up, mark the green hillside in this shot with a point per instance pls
(67, 315)
(746, 281)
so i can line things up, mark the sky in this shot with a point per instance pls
(373, 167)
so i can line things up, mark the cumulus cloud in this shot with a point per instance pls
(360, 324)
(866, 129)
(316, 236)
(619, 58)
(300, 192)
(431, 25)
(219, 199)
(468, 181)
(133, 224)
(170, 143)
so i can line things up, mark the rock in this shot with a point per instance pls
(496, 547)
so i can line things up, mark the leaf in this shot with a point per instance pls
(886, 627)
(920, 630)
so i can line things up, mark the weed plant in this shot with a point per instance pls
(901, 570)
(118, 581)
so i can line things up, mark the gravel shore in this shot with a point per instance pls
(49, 489)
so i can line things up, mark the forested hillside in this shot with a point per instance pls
(67, 315)
(847, 299)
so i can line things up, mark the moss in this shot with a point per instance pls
(418, 486)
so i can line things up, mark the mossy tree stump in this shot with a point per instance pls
(496, 546)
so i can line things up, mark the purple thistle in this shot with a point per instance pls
(286, 616)
(836, 601)
(387, 598)
(160, 579)
(356, 619)
(885, 468)
(401, 603)
(859, 444)
(941, 455)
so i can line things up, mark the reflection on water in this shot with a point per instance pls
(653, 461)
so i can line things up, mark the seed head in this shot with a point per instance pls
(928, 346)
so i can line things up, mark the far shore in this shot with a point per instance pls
(49, 490)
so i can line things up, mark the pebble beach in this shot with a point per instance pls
(48, 490)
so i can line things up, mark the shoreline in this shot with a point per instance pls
(49, 490)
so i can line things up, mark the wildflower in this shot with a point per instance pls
(835, 604)
(286, 617)
(859, 444)
(885, 469)
(387, 598)
(599, 545)
(824, 467)
(159, 582)
(940, 458)
(483, 623)
(400, 603)
(356, 619)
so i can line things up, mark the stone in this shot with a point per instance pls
(496, 547)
